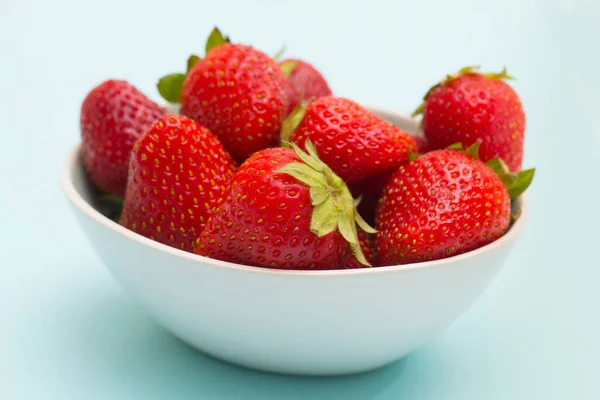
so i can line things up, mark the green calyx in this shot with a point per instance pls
(334, 207)
(288, 67)
(412, 156)
(292, 122)
(515, 183)
(502, 75)
(169, 86)
(216, 38)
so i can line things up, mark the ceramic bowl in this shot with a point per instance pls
(297, 322)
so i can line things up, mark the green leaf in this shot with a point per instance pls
(192, 60)
(498, 165)
(412, 156)
(311, 161)
(359, 255)
(419, 110)
(347, 227)
(278, 55)
(312, 151)
(333, 204)
(291, 123)
(508, 180)
(468, 70)
(521, 183)
(473, 150)
(456, 146)
(169, 87)
(288, 67)
(324, 219)
(215, 39)
(318, 194)
(363, 224)
(502, 75)
(303, 173)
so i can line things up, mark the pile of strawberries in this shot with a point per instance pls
(263, 166)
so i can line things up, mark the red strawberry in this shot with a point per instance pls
(442, 204)
(239, 93)
(306, 82)
(178, 173)
(284, 209)
(353, 141)
(369, 249)
(113, 115)
(471, 106)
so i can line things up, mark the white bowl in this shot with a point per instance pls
(299, 322)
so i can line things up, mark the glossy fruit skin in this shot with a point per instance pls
(264, 220)
(473, 107)
(369, 248)
(442, 204)
(239, 93)
(178, 174)
(306, 83)
(353, 141)
(113, 116)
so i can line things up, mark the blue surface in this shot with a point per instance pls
(67, 330)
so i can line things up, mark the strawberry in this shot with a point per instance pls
(236, 91)
(285, 209)
(444, 203)
(369, 249)
(306, 81)
(177, 175)
(113, 116)
(471, 106)
(353, 141)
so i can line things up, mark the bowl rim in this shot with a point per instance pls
(73, 159)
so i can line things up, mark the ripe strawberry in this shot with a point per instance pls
(369, 249)
(178, 173)
(444, 203)
(113, 115)
(353, 141)
(238, 93)
(306, 82)
(471, 106)
(285, 209)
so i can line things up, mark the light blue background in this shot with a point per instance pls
(67, 330)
